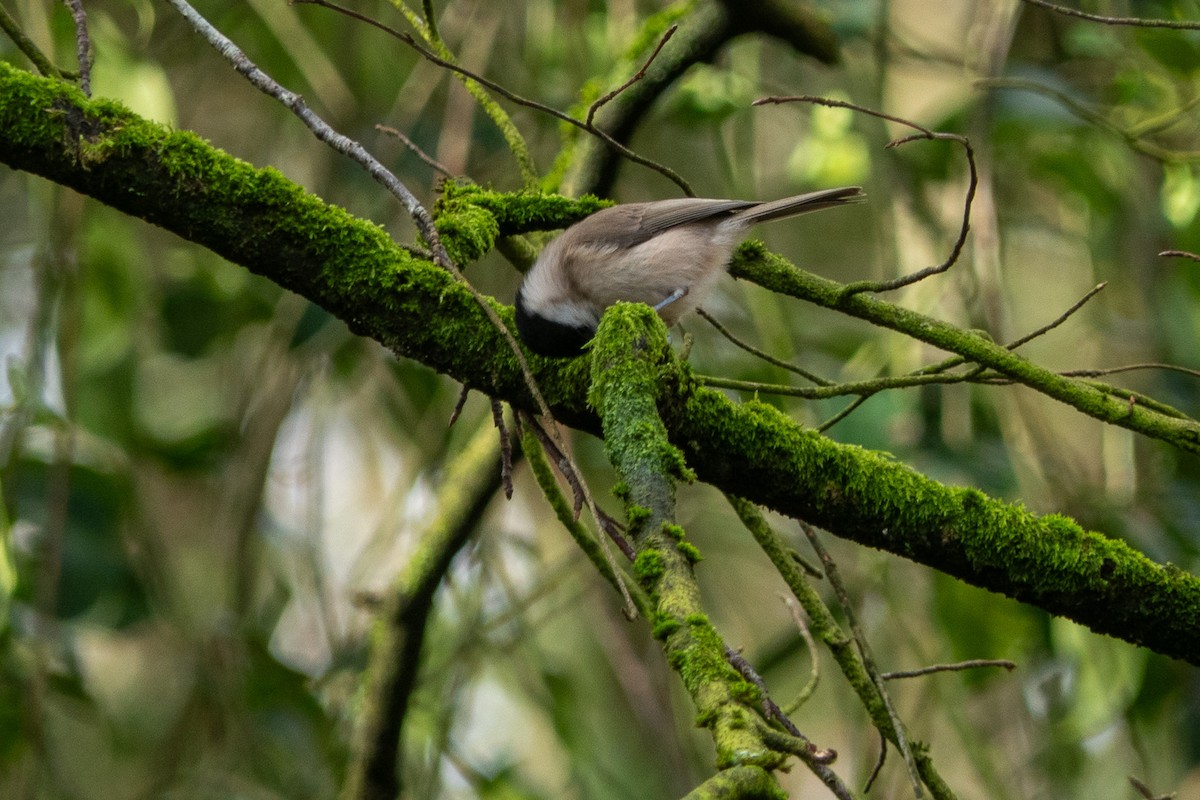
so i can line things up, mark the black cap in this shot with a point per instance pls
(548, 338)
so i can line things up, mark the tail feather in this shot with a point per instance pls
(802, 204)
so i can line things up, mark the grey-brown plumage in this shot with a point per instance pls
(666, 254)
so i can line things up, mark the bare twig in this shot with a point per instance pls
(956, 667)
(845, 412)
(813, 657)
(637, 76)
(458, 407)
(570, 474)
(1095, 373)
(1179, 254)
(1060, 319)
(765, 356)
(506, 453)
(429, 160)
(1146, 792)
(83, 45)
(1184, 25)
(864, 650)
(879, 762)
(923, 133)
(321, 129)
(429, 55)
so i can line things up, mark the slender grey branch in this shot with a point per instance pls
(956, 667)
(1136, 22)
(321, 129)
(83, 45)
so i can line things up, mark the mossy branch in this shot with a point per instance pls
(739, 783)
(755, 263)
(626, 352)
(827, 630)
(352, 268)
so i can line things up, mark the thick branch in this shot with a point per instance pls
(258, 219)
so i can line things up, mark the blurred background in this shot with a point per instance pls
(206, 480)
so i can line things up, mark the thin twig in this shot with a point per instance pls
(429, 160)
(83, 46)
(955, 667)
(637, 76)
(1060, 319)
(506, 453)
(1135, 22)
(771, 711)
(864, 388)
(879, 762)
(864, 651)
(1095, 373)
(923, 133)
(1146, 792)
(458, 407)
(813, 656)
(565, 466)
(1179, 254)
(429, 55)
(765, 356)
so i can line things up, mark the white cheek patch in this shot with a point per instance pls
(572, 315)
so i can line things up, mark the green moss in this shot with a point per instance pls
(648, 566)
(516, 212)
(664, 626)
(690, 552)
(467, 233)
(637, 515)
(746, 692)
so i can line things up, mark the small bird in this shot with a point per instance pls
(666, 254)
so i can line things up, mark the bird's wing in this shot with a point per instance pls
(631, 224)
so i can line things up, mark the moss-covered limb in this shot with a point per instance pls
(739, 783)
(754, 263)
(589, 544)
(827, 630)
(629, 345)
(259, 219)
(256, 218)
(470, 482)
(753, 450)
(472, 219)
(705, 26)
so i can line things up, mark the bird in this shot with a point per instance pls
(667, 254)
